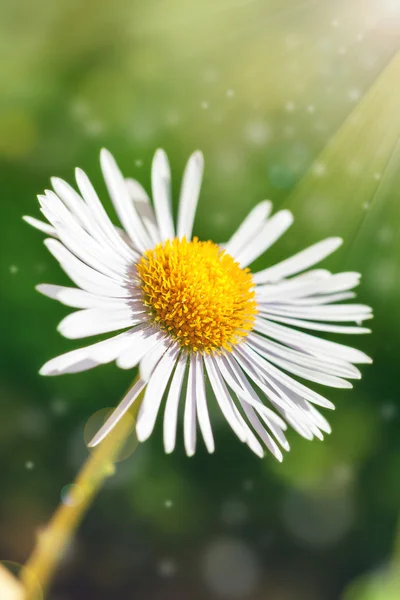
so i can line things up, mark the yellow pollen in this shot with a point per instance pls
(198, 294)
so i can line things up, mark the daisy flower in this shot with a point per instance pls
(192, 311)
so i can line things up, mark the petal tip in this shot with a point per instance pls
(41, 288)
(198, 157)
(46, 370)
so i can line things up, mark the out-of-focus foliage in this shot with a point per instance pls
(292, 101)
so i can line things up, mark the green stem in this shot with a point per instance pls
(52, 542)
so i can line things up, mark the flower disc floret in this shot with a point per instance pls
(198, 294)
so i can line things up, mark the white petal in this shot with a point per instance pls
(118, 413)
(285, 403)
(94, 242)
(144, 209)
(245, 394)
(315, 326)
(87, 232)
(83, 276)
(319, 300)
(286, 291)
(161, 187)
(271, 419)
(172, 404)
(190, 191)
(271, 373)
(189, 420)
(249, 228)
(151, 359)
(335, 313)
(257, 404)
(245, 362)
(310, 343)
(154, 393)
(261, 431)
(289, 405)
(93, 321)
(337, 367)
(271, 231)
(89, 357)
(320, 420)
(291, 288)
(298, 426)
(299, 262)
(223, 398)
(147, 339)
(100, 216)
(311, 374)
(201, 405)
(89, 251)
(249, 437)
(72, 201)
(47, 229)
(311, 284)
(124, 207)
(77, 298)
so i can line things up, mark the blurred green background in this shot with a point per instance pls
(293, 101)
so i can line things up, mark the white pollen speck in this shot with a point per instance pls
(354, 167)
(14, 269)
(172, 118)
(354, 95)
(167, 567)
(290, 106)
(138, 163)
(388, 411)
(248, 485)
(319, 169)
(29, 465)
(210, 75)
(204, 105)
(168, 504)
(342, 474)
(377, 176)
(79, 108)
(59, 407)
(234, 512)
(94, 127)
(230, 93)
(257, 133)
(231, 569)
(220, 218)
(385, 235)
(311, 108)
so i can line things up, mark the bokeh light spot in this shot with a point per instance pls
(97, 420)
(319, 519)
(72, 494)
(230, 568)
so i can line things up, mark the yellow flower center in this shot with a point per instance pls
(198, 294)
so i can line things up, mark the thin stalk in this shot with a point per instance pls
(53, 541)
